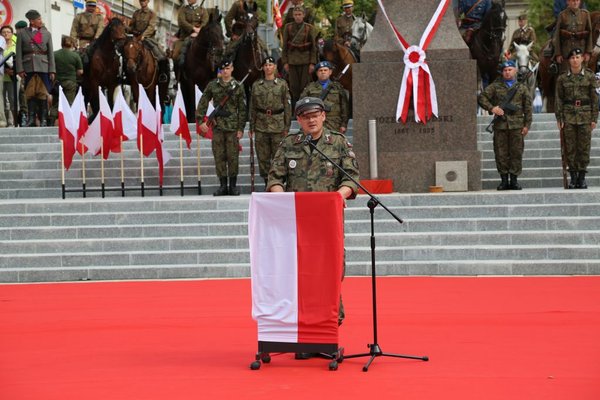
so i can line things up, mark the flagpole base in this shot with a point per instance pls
(199, 187)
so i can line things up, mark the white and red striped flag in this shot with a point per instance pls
(79, 113)
(99, 136)
(279, 12)
(146, 123)
(67, 130)
(125, 122)
(179, 125)
(296, 258)
(209, 110)
(162, 155)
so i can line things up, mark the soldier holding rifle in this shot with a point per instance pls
(228, 121)
(510, 103)
(576, 112)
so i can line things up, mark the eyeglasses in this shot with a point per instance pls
(310, 116)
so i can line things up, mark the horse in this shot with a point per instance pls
(486, 44)
(340, 56)
(527, 69)
(142, 68)
(595, 18)
(201, 62)
(103, 68)
(361, 30)
(248, 55)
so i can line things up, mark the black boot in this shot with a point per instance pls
(514, 184)
(222, 190)
(504, 184)
(573, 182)
(22, 118)
(31, 111)
(581, 183)
(43, 109)
(233, 189)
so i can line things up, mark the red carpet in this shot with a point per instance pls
(487, 338)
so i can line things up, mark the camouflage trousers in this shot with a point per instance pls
(578, 141)
(225, 148)
(508, 149)
(266, 144)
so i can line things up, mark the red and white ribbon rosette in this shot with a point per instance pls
(417, 80)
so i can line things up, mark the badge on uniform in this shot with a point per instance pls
(351, 154)
(292, 164)
(328, 139)
(329, 172)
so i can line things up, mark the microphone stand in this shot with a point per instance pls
(374, 348)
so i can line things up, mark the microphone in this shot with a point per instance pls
(307, 139)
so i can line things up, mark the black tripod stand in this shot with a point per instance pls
(374, 348)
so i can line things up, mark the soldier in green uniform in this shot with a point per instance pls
(191, 18)
(270, 115)
(510, 103)
(228, 128)
(143, 25)
(333, 95)
(343, 24)
(524, 35)
(576, 112)
(87, 26)
(241, 12)
(299, 54)
(573, 30)
(68, 68)
(308, 13)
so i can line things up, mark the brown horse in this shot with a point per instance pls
(248, 56)
(103, 68)
(595, 18)
(142, 68)
(340, 56)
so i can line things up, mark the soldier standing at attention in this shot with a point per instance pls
(35, 64)
(299, 54)
(343, 23)
(87, 26)
(510, 103)
(576, 112)
(333, 95)
(228, 128)
(191, 18)
(308, 13)
(573, 30)
(270, 115)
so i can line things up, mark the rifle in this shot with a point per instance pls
(219, 110)
(563, 157)
(325, 92)
(251, 164)
(505, 105)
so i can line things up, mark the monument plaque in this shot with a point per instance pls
(408, 151)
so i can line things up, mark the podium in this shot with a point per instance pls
(296, 259)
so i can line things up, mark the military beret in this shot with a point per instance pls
(323, 64)
(21, 25)
(32, 14)
(268, 60)
(575, 52)
(347, 3)
(509, 64)
(89, 3)
(310, 104)
(225, 63)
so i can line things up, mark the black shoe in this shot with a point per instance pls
(581, 183)
(514, 184)
(573, 182)
(504, 183)
(233, 189)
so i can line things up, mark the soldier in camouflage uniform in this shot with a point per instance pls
(270, 115)
(191, 18)
(333, 95)
(576, 112)
(308, 13)
(343, 24)
(573, 30)
(143, 26)
(512, 119)
(87, 26)
(299, 54)
(228, 128)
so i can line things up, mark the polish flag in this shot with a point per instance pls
(79, 113)
(179, 125)
(125, 122)
(296, 259)
(210, 109)
(146, 123)
(162, 155)
(99, 136)
(67, 131)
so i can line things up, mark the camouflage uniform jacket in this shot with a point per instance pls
(87, 26)
(299, 44)
(308, 15)
(143, 23)
(236, 13)
(573, 89)
(573, 29)
(336, 99)
(34, 56)
(298, 169)
(343, 26)
(189, 18)
(233, 116)
(270, 106)
(496, 92)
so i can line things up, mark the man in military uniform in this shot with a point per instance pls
(573, 30)
(470, 15)
(297, 167)
(191, 18)
(143, 26)
(343, 23)
(523, 35)
(576, 111)
(510, 103)
(87, 26)
(333, 95)
(35, 64)
(270, 115)
(241, 13)
(308, 13)
(299, 54)
(228, 126)
(68, 68)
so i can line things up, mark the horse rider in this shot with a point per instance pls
(191, 18)
(308, 13)
(471, 13)
(240, 12)
(343, 24)
(573, 30)
(143, 26)
(34, 63)
(86, 27)
(299, 54)
(333, 95)
(523, 35)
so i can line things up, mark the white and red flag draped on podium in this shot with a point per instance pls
(179, 125)
(67, 130)
(417, 81)
(296, 258)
